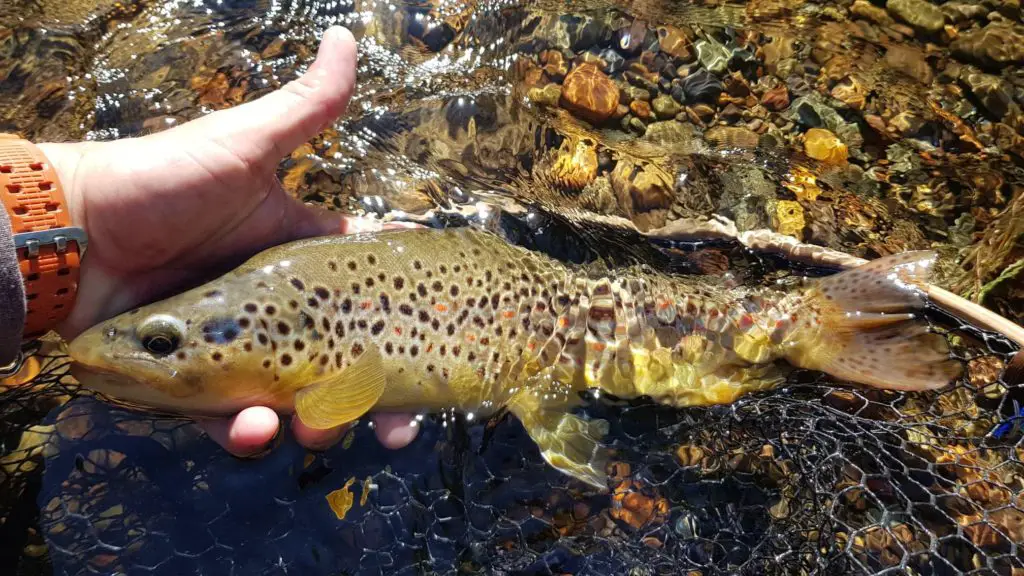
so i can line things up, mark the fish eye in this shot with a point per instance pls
(160, 335)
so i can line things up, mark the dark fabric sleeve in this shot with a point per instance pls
(12, 295)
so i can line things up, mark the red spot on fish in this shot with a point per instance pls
(441, 308)
(746, 321)
(366, 304)
(792, 317)
(713, 313)
(779, 324)
(398, 331)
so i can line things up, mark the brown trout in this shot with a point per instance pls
(332, 328)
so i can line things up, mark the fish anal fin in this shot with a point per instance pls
(869, 330)
(344, 396)
(567, 442)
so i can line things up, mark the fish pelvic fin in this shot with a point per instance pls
(345, 396)
(863, 325)
(567, 442)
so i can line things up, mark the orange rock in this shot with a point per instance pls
(641, 109)
(825, 146)
(589, 94)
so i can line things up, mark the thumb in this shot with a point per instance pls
(265, 130)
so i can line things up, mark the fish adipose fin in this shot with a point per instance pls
(344, 396)
(567, 442)
(867, 330)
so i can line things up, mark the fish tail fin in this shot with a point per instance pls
(868, 328)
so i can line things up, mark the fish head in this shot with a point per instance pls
(210, 351)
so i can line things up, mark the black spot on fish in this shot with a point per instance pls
(422, 290)
(414, 350)
(451, 329)
(212, 294)
(332, 265)
(339, 329)
(435, 324)
(385, 303)
(369, 282)
(217, 356)
(220, 330)
(346, 306)
(247, 346)
(371, 260)
(377, 327)
(357, 349)
(262, 338)
(283, 328)
(286, 359)
(454, 291)
(389, 347)
(270, 310)
(322, 293)
(298, 284)
(424, 317)
(326, 323)
(324, 360)
(356, 288)
(251, 308)
(299, 345)
(243, 322)
(399, 282)
(417, 265)
(266, 363)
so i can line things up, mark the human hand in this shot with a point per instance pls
(169, 209)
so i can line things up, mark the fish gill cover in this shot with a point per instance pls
(863, 129)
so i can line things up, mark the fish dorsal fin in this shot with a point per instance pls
(344, 396)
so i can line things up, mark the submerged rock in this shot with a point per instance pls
(589, 94)
(713, 56)
(993, 46)
(732, 137)
(702, 86)
(992, 91)
(918, 13)
(825, 146)
(666, 107)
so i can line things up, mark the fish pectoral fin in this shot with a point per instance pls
(345, 396)
(567, 442)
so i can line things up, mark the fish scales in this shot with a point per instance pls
(434, 319)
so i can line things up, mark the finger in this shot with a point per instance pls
(395, 430)
(248, 433)
(306, 221)
(265, 130)
(317, 439)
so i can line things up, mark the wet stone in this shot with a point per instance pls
(637, 125)
(918, 13)
(732, 137)
(745, 62)
(640, 109)
(613, 61)
(993, 46)
(666, 107)
(677, 92)
(776, 99)
(868, 11)
(852, 92)
(713, 56)
(993, 92)
(640, 81)
(589, 94)
(671, 133)
(911, 62)
(736, 85)
(676, 42)
(731, 113)
(702, 86)
(546, 96)
(631, 93)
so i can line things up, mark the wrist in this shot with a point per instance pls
(44, 209)
(67, 161)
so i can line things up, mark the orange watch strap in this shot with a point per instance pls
(49, 247)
